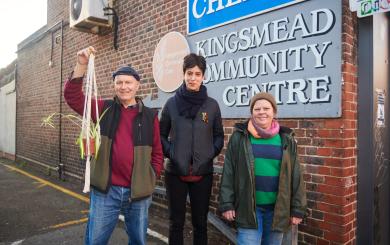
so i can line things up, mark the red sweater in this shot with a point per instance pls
(122, 154)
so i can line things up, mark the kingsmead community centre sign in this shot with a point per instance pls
(292, 52)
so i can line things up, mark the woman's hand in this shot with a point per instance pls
(229, 215)
(295, 220)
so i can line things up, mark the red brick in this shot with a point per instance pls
(349, 68)
(342, 172)
(335, 228)
(321, 151)
(349, 143)
(318, 178)
(334, 124)
(335, 190)
(332, 236)
(337, 200)
(310, 239)
(339, 219)
(335, 162)
(322, 242)
(335, 209)
(314, 169)
(311, 229)
(336, 181)
(333, 143)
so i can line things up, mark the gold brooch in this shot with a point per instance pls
(205, 117)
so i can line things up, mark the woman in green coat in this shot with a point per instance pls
(262, 188)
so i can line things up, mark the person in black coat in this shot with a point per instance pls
(193, 122)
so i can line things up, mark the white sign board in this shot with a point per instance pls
(354, 5)
(369, 7)
(380, 113)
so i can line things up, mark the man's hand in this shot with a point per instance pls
(83, 55)
(82, 61)
(229, 215)
(295, 220)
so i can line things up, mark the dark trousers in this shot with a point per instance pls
(199, 193)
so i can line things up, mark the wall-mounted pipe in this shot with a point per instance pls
(16, 105)
(61, 167)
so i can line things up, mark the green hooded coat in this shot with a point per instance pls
(237, 190)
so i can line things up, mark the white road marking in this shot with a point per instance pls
(150, 232)
(17, 242)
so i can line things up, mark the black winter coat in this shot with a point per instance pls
(192, 141)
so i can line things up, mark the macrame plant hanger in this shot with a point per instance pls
(88, 131)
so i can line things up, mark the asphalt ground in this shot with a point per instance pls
(38, 208)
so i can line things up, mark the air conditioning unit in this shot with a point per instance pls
(88, 16)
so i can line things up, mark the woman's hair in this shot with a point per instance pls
(191, 60)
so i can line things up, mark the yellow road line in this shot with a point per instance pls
(57, 187)
(72, 222)
(41, 185)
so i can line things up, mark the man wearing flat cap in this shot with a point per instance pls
(129, 159)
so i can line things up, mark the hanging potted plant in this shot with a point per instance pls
(94, 132)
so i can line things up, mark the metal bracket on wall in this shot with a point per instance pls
(110, 11)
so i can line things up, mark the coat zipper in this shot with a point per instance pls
(139, 119)
(139, 132)
(251, 176)
(139, 141)
(192, 148)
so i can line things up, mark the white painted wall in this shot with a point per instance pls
(7, 118)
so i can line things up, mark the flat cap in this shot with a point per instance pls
(126, 70)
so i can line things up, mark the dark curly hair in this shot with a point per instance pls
(191, 60)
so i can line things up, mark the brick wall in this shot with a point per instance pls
(57, 10)
(37, 93)
(329, 152)
(327, 147)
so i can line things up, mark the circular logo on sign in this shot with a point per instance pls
(168, 61)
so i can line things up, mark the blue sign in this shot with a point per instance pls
(207, 14)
